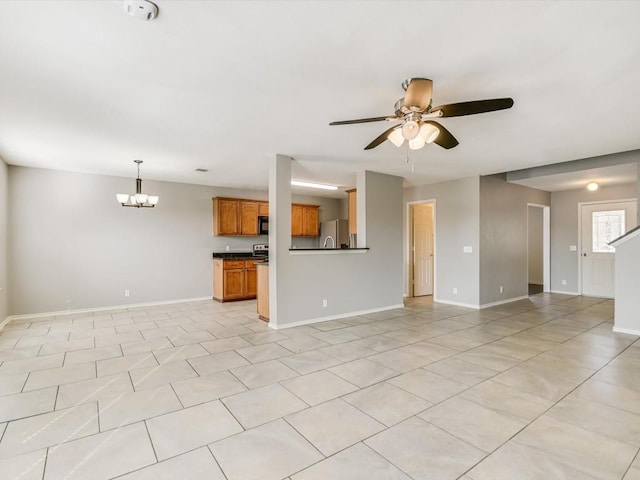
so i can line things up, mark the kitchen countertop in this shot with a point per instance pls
(235, 255)
(326, 249)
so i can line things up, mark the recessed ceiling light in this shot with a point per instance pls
(592, 187)
(202, 170)
(322, 186)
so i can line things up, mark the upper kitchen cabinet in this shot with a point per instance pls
(305, 220)
(233, 216)
(263, 209)
(353, 211)
(248, 218)
(226, 216)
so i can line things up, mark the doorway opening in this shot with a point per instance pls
(601, 223)
(538, 248)
(421, 269)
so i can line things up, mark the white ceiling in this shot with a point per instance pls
(604, 177)
(225, 85)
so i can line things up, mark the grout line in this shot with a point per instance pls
(146, 427)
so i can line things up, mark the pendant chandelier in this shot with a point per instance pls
(138, 199)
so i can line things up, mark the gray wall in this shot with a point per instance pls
(457, 218)
(535, 245)
(503, 237)
(4, 212)
(73, 246)
(627, 278)
(564, 230)
(350, 282)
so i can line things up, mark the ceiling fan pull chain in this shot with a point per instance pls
(413, 164)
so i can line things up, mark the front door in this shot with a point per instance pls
(602, 223)
(422, 249)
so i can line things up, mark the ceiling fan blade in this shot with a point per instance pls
(418, 93)
(381, 138)
(363, 120)
(471, 108)
(445, 139)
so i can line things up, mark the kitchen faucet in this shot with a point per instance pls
(324, 245)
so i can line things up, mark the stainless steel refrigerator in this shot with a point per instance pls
(338, 230)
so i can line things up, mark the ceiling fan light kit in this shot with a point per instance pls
(138, 199)
(415, 112)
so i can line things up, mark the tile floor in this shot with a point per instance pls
(535, 389)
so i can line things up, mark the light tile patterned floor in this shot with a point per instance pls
(536, 389)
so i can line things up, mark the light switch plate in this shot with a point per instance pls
(467, 249)
(573, 248)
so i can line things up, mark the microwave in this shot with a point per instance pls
(263, 225)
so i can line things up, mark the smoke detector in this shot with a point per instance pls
(141, 9)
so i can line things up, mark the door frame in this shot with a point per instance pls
(409, 246)
(580, 205)
(546, 245)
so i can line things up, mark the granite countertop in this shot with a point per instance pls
(326, 249)
(235, 255)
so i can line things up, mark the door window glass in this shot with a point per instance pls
(607, 226)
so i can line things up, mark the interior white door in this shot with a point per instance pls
(602, 223)
(422, 249)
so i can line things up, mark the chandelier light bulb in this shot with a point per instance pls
(429, 132)
(416, 143)
(396, 137)
(410, 130)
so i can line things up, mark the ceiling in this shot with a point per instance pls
(604, 177)
(225, 85)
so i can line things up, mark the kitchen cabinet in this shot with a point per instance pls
(226, 216)
(235, 216)
(305, 220)
(296, 220)
(353, 211)
(239, 217)
(248, 218)
(263, 292)
(234, 279)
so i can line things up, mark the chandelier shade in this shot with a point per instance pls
(138, 199)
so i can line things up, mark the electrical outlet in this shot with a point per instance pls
(226, 248)
(455, 291)
(127, 293)
(324, 303)
(564, 282)
(501, 289)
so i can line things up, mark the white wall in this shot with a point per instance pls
(72, 246)
(627, 260)
(4, 212)
(503, 237)
(457, 222)
(535, 245)
(564, 230)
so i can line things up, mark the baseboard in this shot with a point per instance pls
(565, 293)
(334, 317)
(630, 331)
(4, 322)
(29, 316)
(502, 302)
(456, 304)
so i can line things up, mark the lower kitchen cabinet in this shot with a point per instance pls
(234, 279)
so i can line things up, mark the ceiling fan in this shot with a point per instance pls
(415, 111)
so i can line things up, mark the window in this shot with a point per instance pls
(607, 226)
